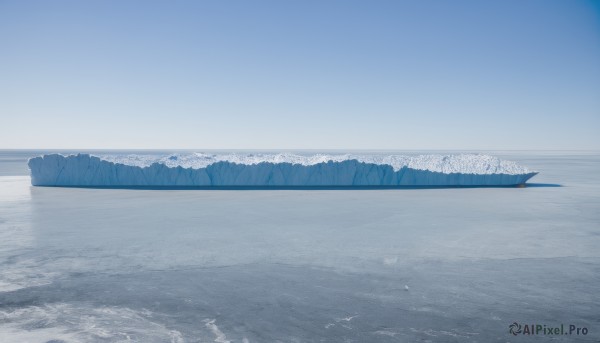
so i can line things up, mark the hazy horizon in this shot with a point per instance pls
(291, 150)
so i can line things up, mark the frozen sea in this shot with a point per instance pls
(402, 265)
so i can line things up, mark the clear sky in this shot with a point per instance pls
(300, 74)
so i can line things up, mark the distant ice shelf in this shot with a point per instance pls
(275, 170)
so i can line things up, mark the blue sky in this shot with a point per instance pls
(300, 74)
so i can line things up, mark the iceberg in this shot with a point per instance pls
(275, 170)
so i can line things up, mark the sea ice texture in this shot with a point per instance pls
(275, 170)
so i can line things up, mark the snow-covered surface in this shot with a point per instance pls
(199, 169)
(461, 163)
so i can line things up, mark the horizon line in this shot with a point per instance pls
(289, 149)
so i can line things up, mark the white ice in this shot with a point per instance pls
(275, 170)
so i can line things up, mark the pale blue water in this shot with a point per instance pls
(92, 265)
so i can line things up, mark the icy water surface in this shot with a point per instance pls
(426, 265)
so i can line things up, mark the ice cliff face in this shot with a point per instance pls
(283, 170)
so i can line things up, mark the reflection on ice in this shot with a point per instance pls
(17, 268)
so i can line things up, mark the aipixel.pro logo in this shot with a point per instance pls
(546, 330)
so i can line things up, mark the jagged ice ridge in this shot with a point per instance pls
(260, 170)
